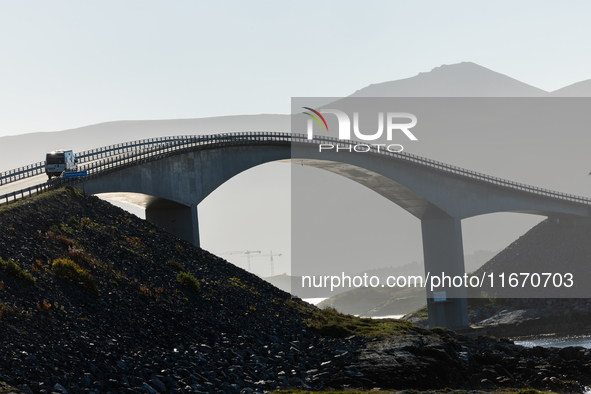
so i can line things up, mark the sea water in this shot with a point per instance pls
(552, 340)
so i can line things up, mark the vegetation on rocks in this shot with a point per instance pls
(186, 279)
(11, 268)
(5, 311)
(68, 270)
(6, 389)
(329, 322)
(177, 265)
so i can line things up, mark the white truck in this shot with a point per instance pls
(60, 161)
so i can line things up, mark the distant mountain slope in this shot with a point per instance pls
(464, 79)
(579, 89)
(25, 149)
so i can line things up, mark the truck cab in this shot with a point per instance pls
(60, 161)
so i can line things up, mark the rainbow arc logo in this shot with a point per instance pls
(315, 118)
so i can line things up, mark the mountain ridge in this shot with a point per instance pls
(466, 79)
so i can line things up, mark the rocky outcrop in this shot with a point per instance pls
(450, 360)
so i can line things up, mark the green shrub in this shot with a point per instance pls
(177, 265)
(73, 221)
(135, 244)
(5, 311)
(70, 271)
(186, 279)
(81, 257)
(236, 282)
(60, 229)
(67, 242)
(12, 269)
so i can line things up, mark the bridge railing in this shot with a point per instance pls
(20, 173)
(448, 168)
(181, 144)
(113, 150)
(109, 158)
(38, 168)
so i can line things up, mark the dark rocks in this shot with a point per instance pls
(571, 353)
(145, 333)
(149, 389)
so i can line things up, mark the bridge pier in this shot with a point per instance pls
(178, 219)
(444, 254)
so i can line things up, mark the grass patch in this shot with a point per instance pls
(186, 279)
(333, 392)
(85, 259)
(358, 391)
(79, 256)
(56, 195)
(301, 307)
(6, 389)
(236, 282)
(12, 269)
(74, 222)
(136, 245)
(67, 242)
(329, 322)
(177, 265)
(179, 248)
(72, 272)
(6, 311)
(61, 229)
(420, 313)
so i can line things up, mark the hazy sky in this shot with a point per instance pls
(67, 64)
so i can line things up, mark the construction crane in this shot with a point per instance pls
(245, 252)
(272, 263)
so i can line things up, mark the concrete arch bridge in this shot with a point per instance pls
(175, 174)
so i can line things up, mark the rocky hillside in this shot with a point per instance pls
(549, 247)
(94, 300)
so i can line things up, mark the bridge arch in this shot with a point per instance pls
(171, 188)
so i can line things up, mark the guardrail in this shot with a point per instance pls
(22, 172)
(28, 171)
(448, 168)
(114, 157)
